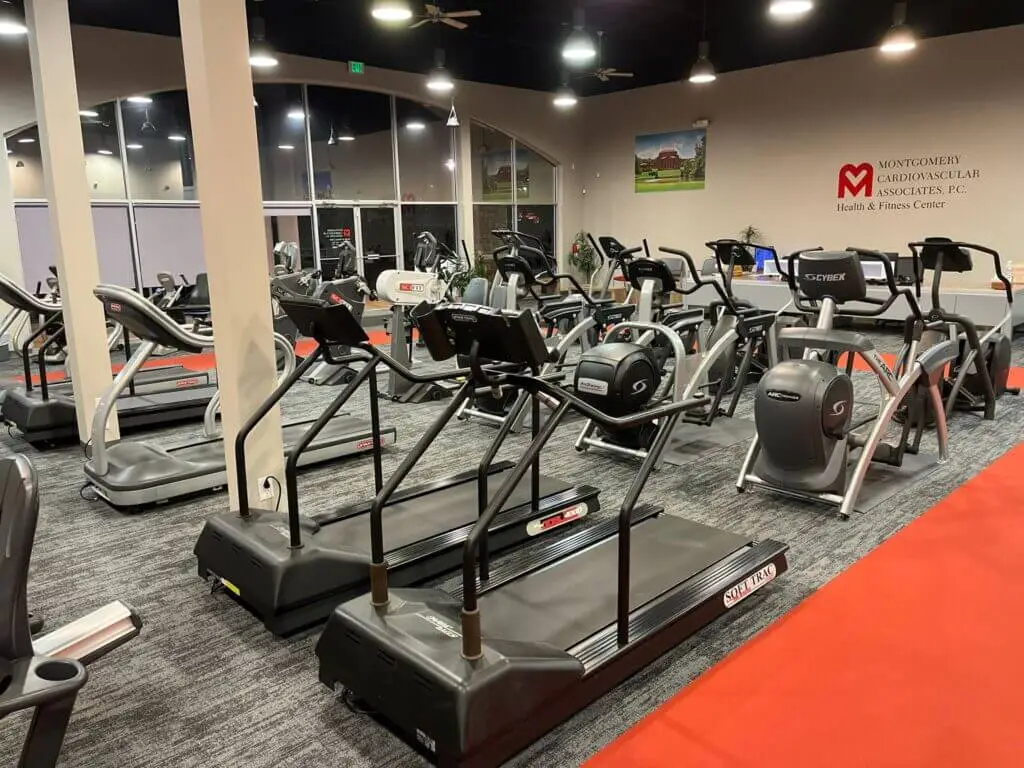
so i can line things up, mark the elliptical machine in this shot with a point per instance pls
(666, 332)
(980, 373)
(574, 320)
(807, 445)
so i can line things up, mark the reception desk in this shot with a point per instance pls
(985, 306)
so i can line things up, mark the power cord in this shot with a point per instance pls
(348, 698)
(267, 486)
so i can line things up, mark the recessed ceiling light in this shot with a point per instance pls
(415, 125)
(104, 152)
(296, 114)
(262, 59)
(133, 146)
(440, 81)
(789, 9)
(26, 141)
(391, 10)
(346, 137)
(88, 113)
(139, 100)
(286, 146)
(176, 137)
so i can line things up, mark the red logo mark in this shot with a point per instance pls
(856, 180)
(368, 443)
(114, 307)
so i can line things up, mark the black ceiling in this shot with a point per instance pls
(516, 42)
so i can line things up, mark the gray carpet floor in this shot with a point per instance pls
(206, 686)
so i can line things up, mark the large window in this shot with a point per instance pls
(158, 144)
(513, 187)
(438, 220)
(102, 157)
(281, 129)
(353, 157)
(426, 153)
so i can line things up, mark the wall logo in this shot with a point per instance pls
(855, 180)
(904, 183)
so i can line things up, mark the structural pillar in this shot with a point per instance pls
(10, 249)
(464, 185)
(67, 188)
(215, 41)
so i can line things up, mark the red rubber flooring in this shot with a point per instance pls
(912, 657)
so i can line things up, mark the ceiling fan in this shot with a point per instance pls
(434, 15)
(604, 74)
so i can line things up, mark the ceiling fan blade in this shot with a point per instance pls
(462, 14)
(618, 74)
(602, 76)
(432, 10)
(453, 23)
(419, 24)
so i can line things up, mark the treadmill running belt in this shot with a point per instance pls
(420, 518)
(569, 601)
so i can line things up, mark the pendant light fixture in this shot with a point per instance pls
(579, 48)
(391, 11)
(440, 80)
(565, 96)
(790, 9)
(12, 19)
(346, 134)
(703, 70)
(261, 55)
(900, 38)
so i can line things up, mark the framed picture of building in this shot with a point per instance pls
(670, 162)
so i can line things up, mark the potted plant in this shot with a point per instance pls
(582, 257)
(751, 234)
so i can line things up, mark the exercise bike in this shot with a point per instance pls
(807, 444)
(980, 373)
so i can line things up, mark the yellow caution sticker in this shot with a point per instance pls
(231, 588)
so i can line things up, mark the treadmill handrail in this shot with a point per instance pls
(189, 341)
(13, 294)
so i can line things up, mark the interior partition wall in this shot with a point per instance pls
(339, 167)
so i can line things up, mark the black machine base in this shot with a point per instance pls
(405, 661)
(291, 589)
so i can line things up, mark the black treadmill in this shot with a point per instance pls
(292, 570)
(474, 672)
(46, 415)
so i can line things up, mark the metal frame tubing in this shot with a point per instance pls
(56, 320)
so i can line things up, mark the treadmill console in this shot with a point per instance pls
(329, 323)
(504, 337)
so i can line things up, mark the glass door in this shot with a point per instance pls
(338, 241)
(377, 241)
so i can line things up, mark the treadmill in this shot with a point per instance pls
(292, 570)
(130, 474)
(46, 415)
(474, 673)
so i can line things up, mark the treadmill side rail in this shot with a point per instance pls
(406, 661)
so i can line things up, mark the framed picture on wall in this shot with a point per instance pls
(670, 162)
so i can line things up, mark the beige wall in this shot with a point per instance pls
(106, 179)
(779, 136)
(112, 64)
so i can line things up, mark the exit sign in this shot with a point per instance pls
(356, 67)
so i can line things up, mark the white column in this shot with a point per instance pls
(465, 188)
(215, 41)
(10, 248)
(67, 188)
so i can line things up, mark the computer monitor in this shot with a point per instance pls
(763, 257)
(904, 268)
(874, 271)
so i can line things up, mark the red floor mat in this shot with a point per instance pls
(912, 657)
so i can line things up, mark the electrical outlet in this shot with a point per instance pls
(266, 488)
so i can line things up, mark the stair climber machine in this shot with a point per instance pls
(573, 322)
(45, 415)
(353, 291)
(667, 331)
(131, 474)
(293, 569)
(808, 445)
(436, 267)
(474, 671)
(979, 375)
